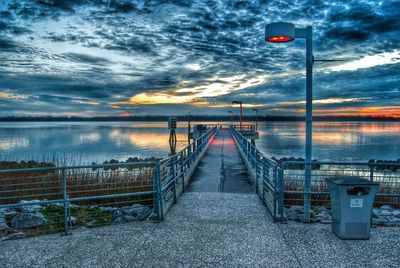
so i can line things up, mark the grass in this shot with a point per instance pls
(85, 182)
(294, 181)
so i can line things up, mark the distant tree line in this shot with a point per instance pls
(181, 118)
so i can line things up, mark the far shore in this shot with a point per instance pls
(196, 118)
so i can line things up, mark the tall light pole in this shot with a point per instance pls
(241, 112)
(230, 112)
(256, 110)
(280, 32)
(189, 127)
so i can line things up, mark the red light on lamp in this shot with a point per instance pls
(279, 39)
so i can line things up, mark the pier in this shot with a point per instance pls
(217, 202)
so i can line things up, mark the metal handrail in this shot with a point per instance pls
(263, 173)
(175, 171)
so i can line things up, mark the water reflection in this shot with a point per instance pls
(100, 141)
(332, 140)
(12, 143)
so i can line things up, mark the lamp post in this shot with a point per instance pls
(280, 32)
(256, 110)
(241, 112)
(230, 112)
(189, 127)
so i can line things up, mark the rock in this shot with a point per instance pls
(396, 214)
(15, 236)
(73, 220)
(375, 213)
(136, 212)
(30, 208)
(108, 209)
(326, 220)
(119, 220)
(3, 224)
(28, 220)
(91, 223)
(386, 207)
(294, 213)
(385, 213)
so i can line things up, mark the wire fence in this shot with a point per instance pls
(292, 176)
(60, 199)
(54, 199)
(281, 185)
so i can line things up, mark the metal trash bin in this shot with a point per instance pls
(351, 201)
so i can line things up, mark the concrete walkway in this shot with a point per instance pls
(221, 169)
(206, 230)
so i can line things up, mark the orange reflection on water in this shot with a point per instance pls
(334, 138)
(353, 127)
(153, 140)
(372, 111)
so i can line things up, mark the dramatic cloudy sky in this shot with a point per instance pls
(135, 57)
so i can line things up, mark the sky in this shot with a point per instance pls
(168, 57)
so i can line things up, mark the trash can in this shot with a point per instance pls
(351, 201)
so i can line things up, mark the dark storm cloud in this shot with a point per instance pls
(160, 38)
(84, 58)
(362, 23)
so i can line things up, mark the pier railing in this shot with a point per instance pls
(263, 174)
(281, 185)
(60, 199)
(55, 199)
(291, 174)
(175, 171)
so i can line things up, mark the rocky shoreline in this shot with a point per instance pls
(383, 216)
(24, 220)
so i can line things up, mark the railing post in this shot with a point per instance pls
(182, 171)
(174, 178)
(280, 192)
(157, 182)
(67, 219)
(263, 182)
(371, 173)
(275, 184)
(256, 167)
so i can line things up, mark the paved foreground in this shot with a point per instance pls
(206, 230)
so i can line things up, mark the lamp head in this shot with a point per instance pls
(279, 32)
(236, 102)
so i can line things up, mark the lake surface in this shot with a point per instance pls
(87, 142)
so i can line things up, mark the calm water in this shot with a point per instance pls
(85, 142)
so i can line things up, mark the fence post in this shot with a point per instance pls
(280, 192)
(263, 182)
(256, 166)
(275, 183)
(182, 160)
(174, 178)
(157, 182)
(371, 173)
(65, 203)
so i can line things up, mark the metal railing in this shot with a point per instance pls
(54, 199)
(175, 171)
(291, 176)
(263, 174)
(281, 185)
(59, 199)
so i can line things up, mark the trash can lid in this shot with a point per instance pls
(351, 181)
